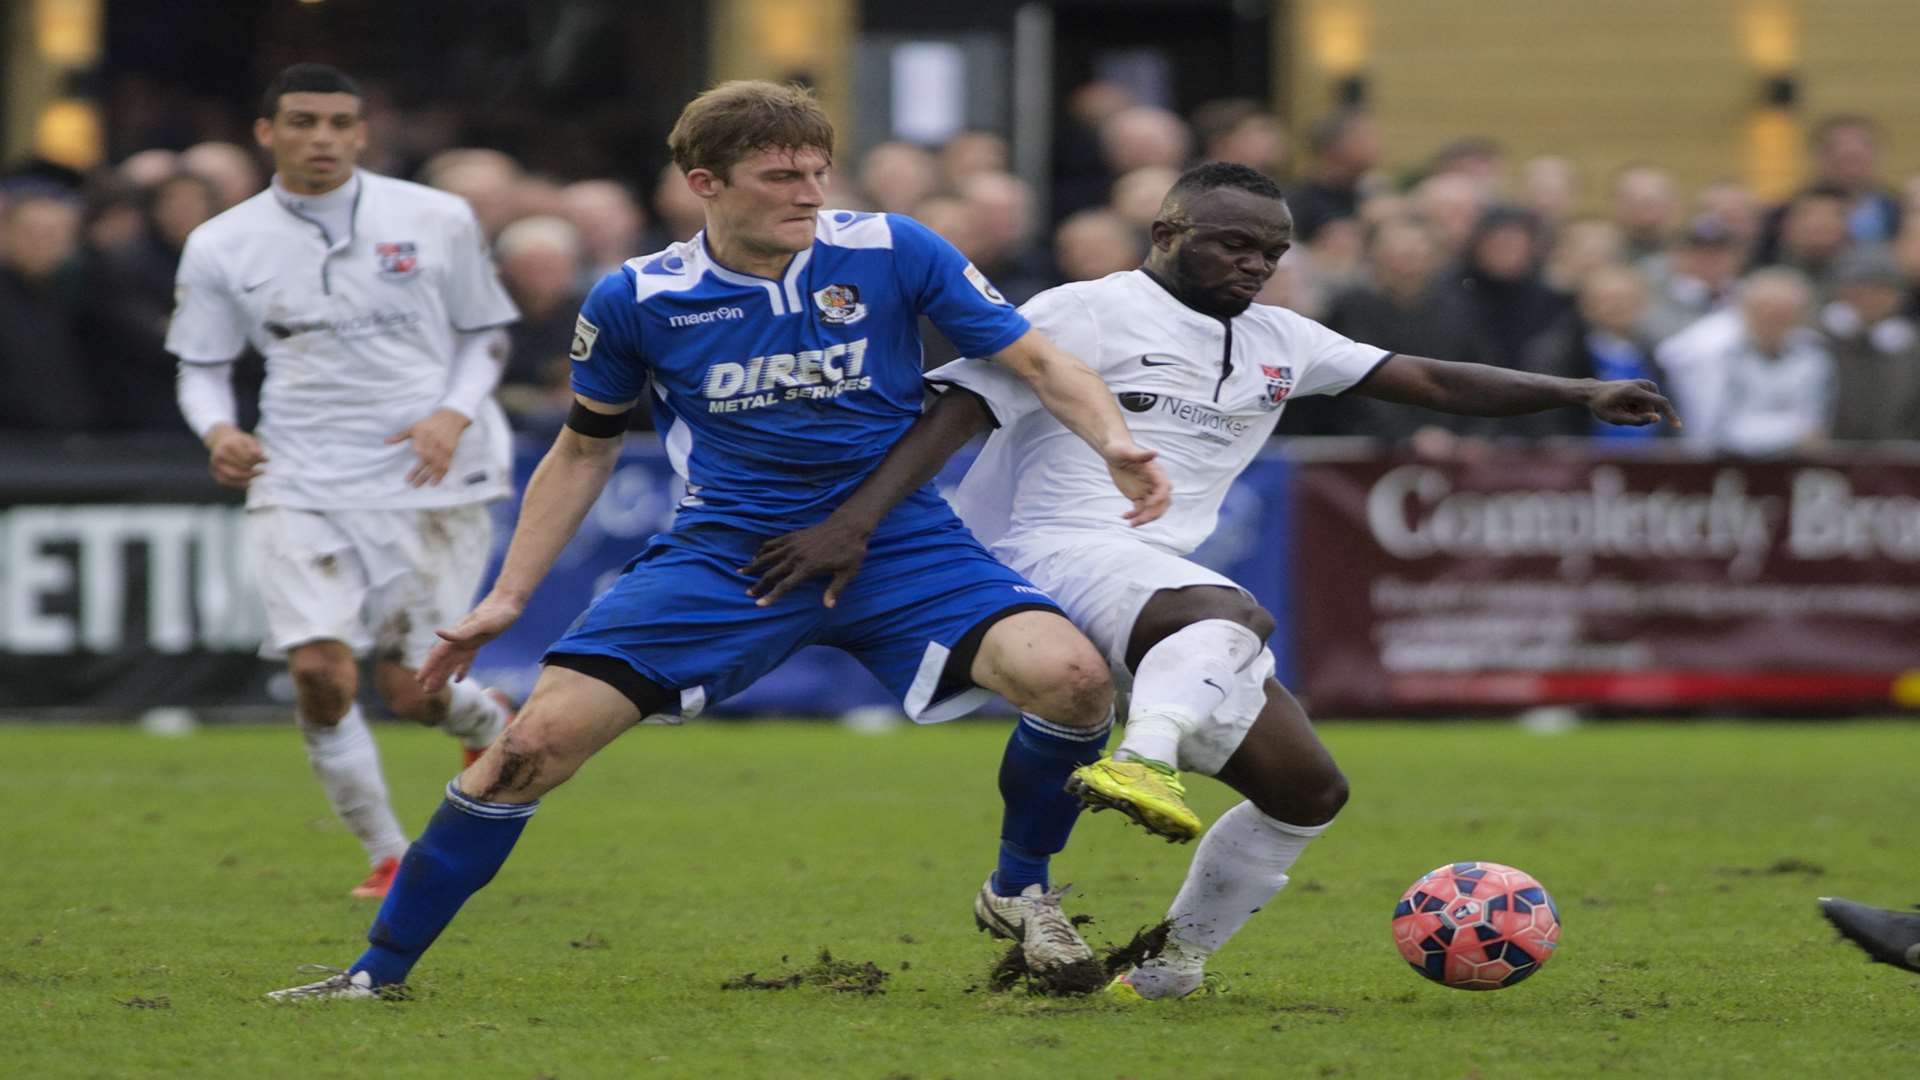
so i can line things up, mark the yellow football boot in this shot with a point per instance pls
(1149, 792)
(1122, 992)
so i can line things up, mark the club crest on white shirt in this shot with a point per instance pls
(399, 260)
(1279, 384)
(840, 305)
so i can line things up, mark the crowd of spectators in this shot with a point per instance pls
(1773, 327)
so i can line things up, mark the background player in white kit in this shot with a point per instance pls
(379, 444)
(1203, 374)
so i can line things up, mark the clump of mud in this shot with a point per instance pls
(826, 973)
(1085, 977)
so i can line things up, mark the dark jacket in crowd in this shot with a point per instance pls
(1876, 376)
(46, 382)
(1439, 325)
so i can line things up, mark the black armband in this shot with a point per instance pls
(597, 425)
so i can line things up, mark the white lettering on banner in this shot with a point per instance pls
(1831, 522)
(198, 591)
(1413, 512)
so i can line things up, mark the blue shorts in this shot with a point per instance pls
(681, 617)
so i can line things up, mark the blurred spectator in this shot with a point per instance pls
(1694, 278)
(956, 220)
(1580, 247)
(1550, 187)
(610, 224)
(148, 167)
(1452, 206)
(1475, 157)
(234, 171)
(1813, 234)
(1846, 152)
(1733, 203)
(1512, 307)
(1876, 350)
(896, 176)
(1137, 196)
(1081, 178)
(1906, 255)
(1754, 379)
(1646, 206)
(134, 290)
(972, 152)
(1323, 265)
(1241, 130)
(1142, 135)
(1003, 209)
(44, 373)
(487, 179)
(680, 211)
(116, 216)
(539, 261)
(1600, 339)
(1345, 148)
(1408, 304)
(1094, 243)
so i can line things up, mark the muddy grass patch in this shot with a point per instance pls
(826, 973)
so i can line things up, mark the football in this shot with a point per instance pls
(1476, 925)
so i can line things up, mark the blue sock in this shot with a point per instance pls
(460, 851)
(1039, 813)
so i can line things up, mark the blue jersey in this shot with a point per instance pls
(775, 398)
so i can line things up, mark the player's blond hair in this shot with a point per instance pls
(737, 119)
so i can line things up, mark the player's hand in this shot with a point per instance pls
(433, 441)
(1636, 402)
(1141, 481)
(831, 547)
(452, 655)
(233, 456)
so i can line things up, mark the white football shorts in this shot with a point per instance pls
(1102, 581)
(378, 581)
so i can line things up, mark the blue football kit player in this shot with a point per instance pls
(778, 350)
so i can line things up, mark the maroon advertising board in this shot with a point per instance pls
(1635, 584)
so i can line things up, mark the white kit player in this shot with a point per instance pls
(378, 311)
(1203, 375)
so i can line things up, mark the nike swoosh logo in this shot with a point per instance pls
(1216, 686)
(255, 285)
(1147, 361)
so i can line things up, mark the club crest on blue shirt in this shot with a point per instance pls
(840, 305)
(1279, 384)
(398, 260)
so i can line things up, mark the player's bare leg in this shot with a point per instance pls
(343, 755)
(1188, 650)
(1060, 684)
(1293, 790)
(568, 718)
(473, 714)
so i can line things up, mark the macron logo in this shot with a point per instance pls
(707, 316)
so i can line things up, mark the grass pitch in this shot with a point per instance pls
(154, 889)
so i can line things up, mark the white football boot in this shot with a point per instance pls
(1033, 919)
(339, 986)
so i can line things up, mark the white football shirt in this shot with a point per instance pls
(358, 332)
(1203, 392)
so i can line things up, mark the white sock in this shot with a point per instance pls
(473, 715)
(1240, 866)
(1180, 681)
(348, 765)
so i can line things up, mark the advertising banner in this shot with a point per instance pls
(1634, 583)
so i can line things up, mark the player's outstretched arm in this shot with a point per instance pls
(561, 491)
(1076, 395)
(837, 545)
(1484, 390)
